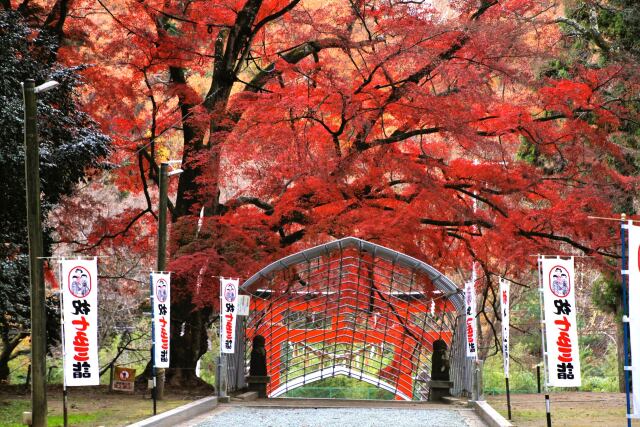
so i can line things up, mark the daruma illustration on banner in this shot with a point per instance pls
(228, 314)
(561, 329)
(470, 300)
(504, 309)
(634, 306)
(161, 288)
(80, 322)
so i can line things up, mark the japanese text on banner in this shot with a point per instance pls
(470, 299)
(161, 297)
(80, 321)
(228, 314)
(634, 305)
(561, 332)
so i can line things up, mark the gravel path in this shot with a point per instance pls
(333, 417)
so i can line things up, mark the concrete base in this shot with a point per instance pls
(258, 384)
(450, 400)
(248, 396)
(26, 418)
(224, 399)
(489, 415)
(439, 389)
(180, 414)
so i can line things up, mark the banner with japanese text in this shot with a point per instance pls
(504, 309)
(561, 329)
(228, 314)
(470, 299)
(80, 322)
(161, 300)
(634, 309)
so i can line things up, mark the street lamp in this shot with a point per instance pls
(163, 184)
(163, 187)
(38, 316)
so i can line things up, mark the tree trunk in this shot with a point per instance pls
(189, 341)
(8, 345)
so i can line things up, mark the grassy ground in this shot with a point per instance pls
(568, 409)
(88, 406)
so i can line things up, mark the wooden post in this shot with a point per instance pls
(38, 315)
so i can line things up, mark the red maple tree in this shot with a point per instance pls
(428, 127)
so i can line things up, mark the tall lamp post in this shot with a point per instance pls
(38, 315)
(163, 187)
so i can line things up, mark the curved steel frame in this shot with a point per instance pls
(442, 282)
(312, 306)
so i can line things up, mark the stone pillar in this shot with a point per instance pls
(258, 378)
(221, 376)
(440, 383)
(478, 386)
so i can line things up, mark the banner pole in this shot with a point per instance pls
(625, 311)
(547, 404)
(547, 401)
(506, 380)
(505, 302)
(65, 419)
(222, 380)
(153, 346)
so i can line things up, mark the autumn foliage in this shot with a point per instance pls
(433, 128)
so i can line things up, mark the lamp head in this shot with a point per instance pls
(46, 86)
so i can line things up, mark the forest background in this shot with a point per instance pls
(387, 120)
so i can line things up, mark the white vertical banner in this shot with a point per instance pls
(161, 306)
(504, 309)
(228, 314)
(634, 307)
(561, 329)
(470, 299)
(80, 322)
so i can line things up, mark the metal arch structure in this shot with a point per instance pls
(354, 308)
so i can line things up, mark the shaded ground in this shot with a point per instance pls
(568, 409)
(89, 406)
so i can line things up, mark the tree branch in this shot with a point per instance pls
(460, 223)
(398, 136)
(274, 16)
(298, 53)
(529, 234)
(122, 232)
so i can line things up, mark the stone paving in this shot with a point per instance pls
(268, 413)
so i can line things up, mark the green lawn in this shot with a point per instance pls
(90, 409)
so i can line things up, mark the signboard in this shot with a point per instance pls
(228, 314)
(470, 300)
(504, 309)
(80, 322)
(243, 305)
(161, 302)
(123, 379)
(634, 307)
(558, 290)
